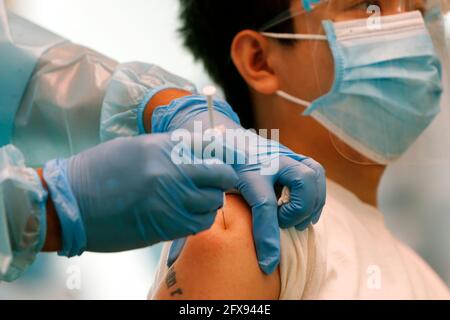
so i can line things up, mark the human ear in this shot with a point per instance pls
(253, 56)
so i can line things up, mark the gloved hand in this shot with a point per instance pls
(128, 194)
(268, 163)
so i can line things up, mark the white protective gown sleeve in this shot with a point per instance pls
(78, 98)
(56, 100)
(22, 214)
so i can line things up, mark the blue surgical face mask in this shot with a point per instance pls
(387, 88)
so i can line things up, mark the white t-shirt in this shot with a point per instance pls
(349, 254)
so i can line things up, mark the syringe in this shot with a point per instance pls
(210, 92)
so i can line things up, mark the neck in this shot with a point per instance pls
(306, 136)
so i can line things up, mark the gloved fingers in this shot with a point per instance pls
(219, 175)
(204, 200)
(266, 233)
(301, 181)
(260, 195)
(321, 187)
(175, 250)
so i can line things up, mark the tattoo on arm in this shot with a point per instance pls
(171, 282)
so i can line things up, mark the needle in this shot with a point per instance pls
(223, 217)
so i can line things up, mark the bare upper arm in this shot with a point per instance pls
(221, 263)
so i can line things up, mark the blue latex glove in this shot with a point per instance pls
(304, 177)
(128, 194)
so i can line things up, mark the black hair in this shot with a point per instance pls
(208, 28)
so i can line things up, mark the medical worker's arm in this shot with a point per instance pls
(121, 195)
(53, 239)
(221, 263)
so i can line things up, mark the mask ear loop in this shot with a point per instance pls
(369, 163)
(296, 37)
